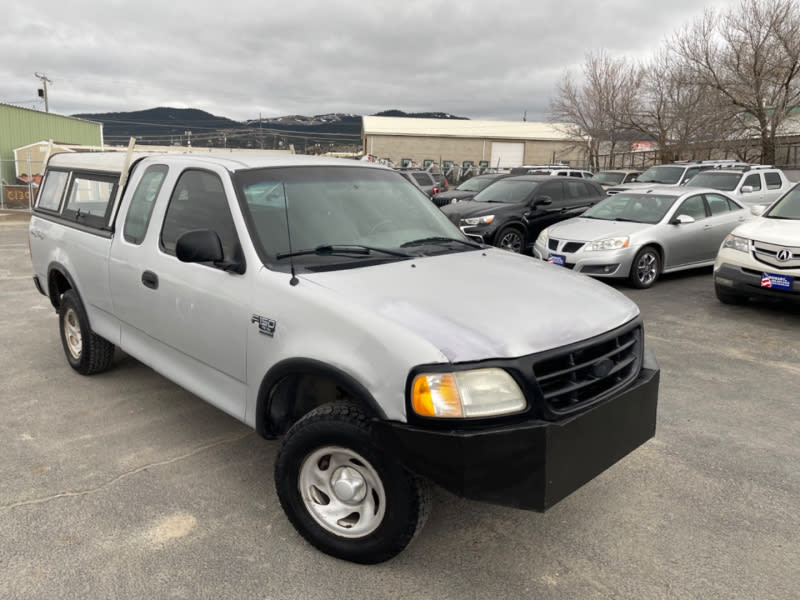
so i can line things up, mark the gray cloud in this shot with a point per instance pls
(241, 58)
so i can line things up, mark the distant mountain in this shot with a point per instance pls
(168, 126)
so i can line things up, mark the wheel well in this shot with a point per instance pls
(57, 284)
(657, 247)
(291, 390)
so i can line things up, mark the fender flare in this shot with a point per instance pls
(57, 267)
(297, 366)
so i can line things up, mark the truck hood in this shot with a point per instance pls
(483, 304)
(582, 229)
(773, 231)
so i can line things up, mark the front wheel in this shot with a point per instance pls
(342, 493)
(646, 268)
(86, 351)
(510, 238)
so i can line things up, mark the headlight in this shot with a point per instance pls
(478, 220)
(476, 393)
(542, 239)
(734, 242)
(607, 244)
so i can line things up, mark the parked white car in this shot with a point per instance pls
(762, 257)
(750, 185)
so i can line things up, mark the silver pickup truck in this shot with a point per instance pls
(330, 303)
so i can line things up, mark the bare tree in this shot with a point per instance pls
(751, 56)
(590, 109)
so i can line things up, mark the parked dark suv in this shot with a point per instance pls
(422, 179)
(511, 212)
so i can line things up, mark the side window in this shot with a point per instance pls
(630, 177)
(576, 190)
(753, 180)
(773, 181)
(575, 174)
(717, 204)
(89, 198)
(52, 190)
(199, 202)
(692, 207)
(138, 217)
(552, 189)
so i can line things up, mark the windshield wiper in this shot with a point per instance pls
(331, 249)
(439, 240)
(624, 220)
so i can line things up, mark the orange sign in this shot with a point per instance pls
(16, 196)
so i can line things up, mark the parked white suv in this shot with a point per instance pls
(762, 256)
(677, 173)
(755, 184)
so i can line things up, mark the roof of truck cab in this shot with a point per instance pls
(232, 160)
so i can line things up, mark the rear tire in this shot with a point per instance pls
(727, 297)
(86, 351)
(645, 268)
(344, 494)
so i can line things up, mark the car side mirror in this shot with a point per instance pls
(199, 246)
(542, 201)
(758, 209)
(682, 220)
(747, 189)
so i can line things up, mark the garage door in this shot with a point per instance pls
(507, 155)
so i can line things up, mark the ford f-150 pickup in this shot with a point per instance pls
(330, 303)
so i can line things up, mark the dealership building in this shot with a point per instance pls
(465, 143)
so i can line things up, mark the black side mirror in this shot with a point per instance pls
(542, 201)
(199, 246)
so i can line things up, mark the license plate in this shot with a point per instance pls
(776, 282)
(557, 259)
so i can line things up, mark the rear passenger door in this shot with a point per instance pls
(725, 216)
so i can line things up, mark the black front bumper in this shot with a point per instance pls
(747, 282)
(530, 465)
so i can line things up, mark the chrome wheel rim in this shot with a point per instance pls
(511, 241)
(72, 333)
(647, 268)
(342, 492)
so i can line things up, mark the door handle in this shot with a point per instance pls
(707, 227)
(150, 279)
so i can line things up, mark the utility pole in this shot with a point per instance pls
(43, 90)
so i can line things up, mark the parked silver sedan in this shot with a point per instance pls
(640, 234)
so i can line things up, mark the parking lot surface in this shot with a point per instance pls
(122, 485)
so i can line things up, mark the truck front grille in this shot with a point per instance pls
(579, 375)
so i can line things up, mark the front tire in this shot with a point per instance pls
(86, 351)
(646, 268)
(342, 493)
(511, 239)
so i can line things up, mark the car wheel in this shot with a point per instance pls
(86, 351)
(727, 297)
(646, 268)
(342, 493)
(509, 238)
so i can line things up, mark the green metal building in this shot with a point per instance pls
(23, 126)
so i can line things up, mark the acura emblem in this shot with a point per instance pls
(784, 255)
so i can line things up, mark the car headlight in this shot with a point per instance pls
(542, 239)
(485, 220)
(608, 244)
(734, 242)
(476, 393)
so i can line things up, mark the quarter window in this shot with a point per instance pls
(142, 203)
(52, 190)
(199, 202)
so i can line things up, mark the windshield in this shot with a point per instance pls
(637, 208)
(507, 191)
(340, 206)
(664, 174)
(608, 178)
(788, 207)
(476, 184)
(725, 182)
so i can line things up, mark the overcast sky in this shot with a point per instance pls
(482, 60)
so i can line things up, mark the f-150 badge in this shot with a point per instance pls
(265, 325)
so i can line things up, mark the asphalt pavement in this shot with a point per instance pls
(123, 485)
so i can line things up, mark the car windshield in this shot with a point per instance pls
(664, 174)
(608, 178)
(507, 191)
(788, 207)
(725, 182)
(341, 208)
(476, 184)
(638, 208)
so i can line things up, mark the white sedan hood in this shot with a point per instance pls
(483, 304)
(773, 231)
